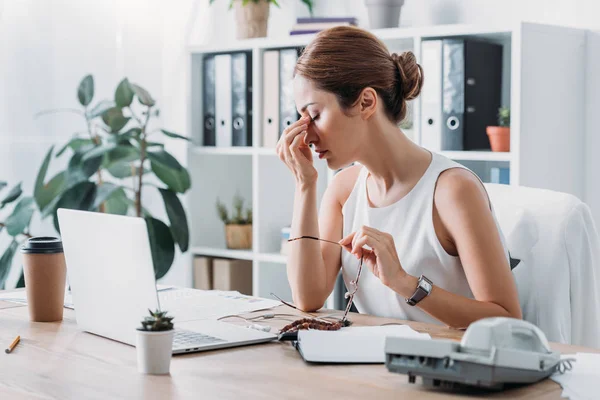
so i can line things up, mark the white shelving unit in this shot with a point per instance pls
(545, 93)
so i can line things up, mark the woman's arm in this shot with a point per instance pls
(463, 209)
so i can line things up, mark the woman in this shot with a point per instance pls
(407, 211)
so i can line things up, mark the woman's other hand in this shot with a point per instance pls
(382, 259)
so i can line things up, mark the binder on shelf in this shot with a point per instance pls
(461, 94)
(241, 99)
(230, 274)
(203, 273)
(500, 175)
(223, 96)
(431, 95)
(270, 132)
(208, 101)
(472, 74)
(287, 106)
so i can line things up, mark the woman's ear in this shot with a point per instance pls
(367, 102)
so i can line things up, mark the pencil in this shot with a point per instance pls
(13, 344)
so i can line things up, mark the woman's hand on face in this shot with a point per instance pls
(382, 260)
(295, 153)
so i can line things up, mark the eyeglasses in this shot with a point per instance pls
(354, 283)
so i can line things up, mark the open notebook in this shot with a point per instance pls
(362, 344)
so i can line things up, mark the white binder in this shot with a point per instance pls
(223, 95)
(270, 129)
(431, 95)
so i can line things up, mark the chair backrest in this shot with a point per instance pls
(554, 237)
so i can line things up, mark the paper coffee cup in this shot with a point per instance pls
(45, 274)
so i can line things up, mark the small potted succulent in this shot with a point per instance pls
(155, 343)
(238, 228)
(500, 135)
(252, 16)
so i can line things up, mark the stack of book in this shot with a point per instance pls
(313, 25)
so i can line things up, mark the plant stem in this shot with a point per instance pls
(138, 194)
(27, 235)
(57, 110)
(96, 139)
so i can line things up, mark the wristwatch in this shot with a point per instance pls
(423, 289)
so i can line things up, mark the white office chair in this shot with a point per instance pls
(558, 276)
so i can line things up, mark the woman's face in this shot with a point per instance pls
(333, 133)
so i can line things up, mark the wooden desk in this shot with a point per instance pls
(58, 361)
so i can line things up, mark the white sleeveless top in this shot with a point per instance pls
(410, 222)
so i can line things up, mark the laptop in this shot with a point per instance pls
(111, 276)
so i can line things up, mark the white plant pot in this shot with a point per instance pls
(384, 13)
(154, 350)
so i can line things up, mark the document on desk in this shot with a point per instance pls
(186, 304)
(356, 345)
(583, 380)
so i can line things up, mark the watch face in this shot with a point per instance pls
(426, 285)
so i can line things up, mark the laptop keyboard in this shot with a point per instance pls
(183, 338)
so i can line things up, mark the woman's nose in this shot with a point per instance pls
(311, 136)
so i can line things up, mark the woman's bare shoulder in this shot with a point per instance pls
(343, 182)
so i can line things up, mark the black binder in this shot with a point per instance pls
(287, 106)
(241, 83)
(471, 92)
(208, 101)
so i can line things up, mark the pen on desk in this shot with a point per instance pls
(13, 344)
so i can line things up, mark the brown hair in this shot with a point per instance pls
(344, 60)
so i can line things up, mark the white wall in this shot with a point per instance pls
(47, 46)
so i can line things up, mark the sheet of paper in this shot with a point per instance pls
(187, 304)
(364, 344)
(583, 380)
(192, 304)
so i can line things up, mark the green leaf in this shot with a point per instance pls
(75, 144)
(174, 135)
(41, 177)
(6, 262)
(122, 170)
(162, 246)
(143, 95)
(100, 108)
(164, 158)
(122, 153)
(117, 203)
(154, 144)
(85, 93)
(51, 190)
(145, 212)
(14, 194)
(103, 192)
(124, 94)
(79, 170)
(176, 180)
(79, 197)
(114, 118)
(20, 217)
(99, 151)
(177, 217)
(132, 133)
(2, 185)
(21, 282)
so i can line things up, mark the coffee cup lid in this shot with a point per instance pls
(42, 245)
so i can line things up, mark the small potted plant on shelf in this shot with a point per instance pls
(252, 16)
(155, 343)
(384, 13)
(500, 135)
(238, 228)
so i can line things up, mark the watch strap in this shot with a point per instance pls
(420, 293)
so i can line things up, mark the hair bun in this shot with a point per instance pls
(411, 74)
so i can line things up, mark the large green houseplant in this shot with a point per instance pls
(109, 166)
